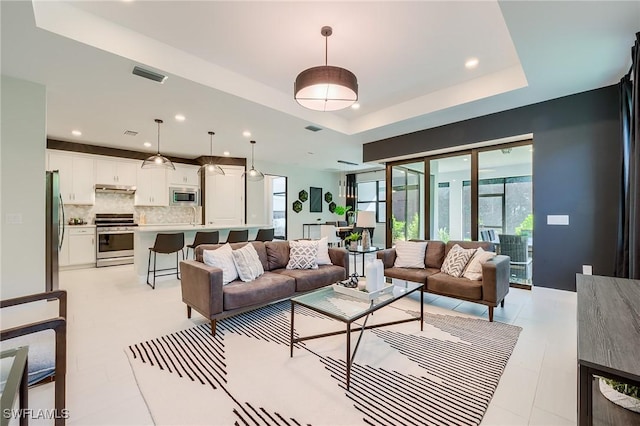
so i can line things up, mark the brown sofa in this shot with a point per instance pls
(203, 291)
(490, 291)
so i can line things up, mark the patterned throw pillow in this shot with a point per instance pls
(474, 270)
(456, 260)
(222, 258)
(248, 263)
(410, 254)
(303, 254)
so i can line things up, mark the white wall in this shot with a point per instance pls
(22, 183)
(298, 178)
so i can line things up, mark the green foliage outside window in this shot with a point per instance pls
(526, 227)
(624, 388)
(412, 229)
(443, 235)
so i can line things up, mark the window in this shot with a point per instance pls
(372, 197)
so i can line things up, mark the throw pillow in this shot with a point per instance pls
(474, 270)
(222, 258)
(248, 263)
(410, 254)
(302, 255)
(323, 252)
(456, 260)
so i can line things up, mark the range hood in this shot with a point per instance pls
(122, 189)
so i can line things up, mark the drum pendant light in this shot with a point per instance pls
(326, 88)
(158, 161)
(210, 167)
(253, 175)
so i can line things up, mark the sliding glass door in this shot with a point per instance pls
(450, 213)
(407, 202)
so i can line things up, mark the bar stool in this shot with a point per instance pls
(238, 236)
(212, 237)
(165, 244)
(265, 234)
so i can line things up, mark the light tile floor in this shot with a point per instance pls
(109, 309)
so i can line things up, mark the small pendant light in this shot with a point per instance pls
(158, 161)
(210, 167)
(253, 175)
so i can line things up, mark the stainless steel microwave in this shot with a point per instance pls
(189, 197)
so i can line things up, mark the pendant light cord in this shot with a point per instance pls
(253, 145)
(326, 49)
(158, 138)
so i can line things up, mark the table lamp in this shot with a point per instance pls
(366, 220)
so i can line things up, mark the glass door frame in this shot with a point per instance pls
(474, 152)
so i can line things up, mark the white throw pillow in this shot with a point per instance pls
(302, 255)
(247, 263)
(222, 258)
(410, 254)
(474, 270)
(456, 260)
(323, 252)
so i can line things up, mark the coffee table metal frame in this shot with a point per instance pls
(399, 292)
(363, 252)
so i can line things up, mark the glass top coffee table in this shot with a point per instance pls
(323, 301)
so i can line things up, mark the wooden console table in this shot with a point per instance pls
(608, 341)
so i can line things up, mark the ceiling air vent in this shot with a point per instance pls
(347, 162)
(151, 75)
(130, 133)
(313, 128)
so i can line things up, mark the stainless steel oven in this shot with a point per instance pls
(114, 234)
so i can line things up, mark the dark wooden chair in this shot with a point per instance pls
(212, 237)
(59, 326)
(165, 244)
(238, 236)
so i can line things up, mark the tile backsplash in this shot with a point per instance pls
(110, 202)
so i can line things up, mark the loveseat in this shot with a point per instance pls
(490, 290)
(203, 289)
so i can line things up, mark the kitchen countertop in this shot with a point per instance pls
(79, 226)
(155, 227)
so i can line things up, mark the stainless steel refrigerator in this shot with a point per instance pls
(55, 229)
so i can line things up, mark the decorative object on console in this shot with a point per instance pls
(326, 88)
(341, 210)
(210, 167)
(328, 197)
(157, 160)
(297, 206)
(253, 175)
(366, 220)
(303, 195)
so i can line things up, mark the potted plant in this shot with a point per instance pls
(341, 210)
(353, 239)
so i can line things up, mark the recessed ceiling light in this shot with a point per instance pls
(355, 106)
(180, 117)
(246, 134)
(471, 63)
(147, 144)
(76, 133)
(226, 153)
(465, 159)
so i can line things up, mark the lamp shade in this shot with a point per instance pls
(326, 88)
(366, 219)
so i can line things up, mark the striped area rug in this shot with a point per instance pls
(444, 375)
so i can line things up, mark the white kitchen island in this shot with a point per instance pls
(145, 236)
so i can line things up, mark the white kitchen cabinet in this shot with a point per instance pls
(152, 189)
(184, 175)
(116, 172)
(77, 177)
(78, 247)
(224, 198)
(82, 246)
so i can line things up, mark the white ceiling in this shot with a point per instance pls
(231, 67)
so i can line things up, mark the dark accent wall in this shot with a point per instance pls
(576, 171)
